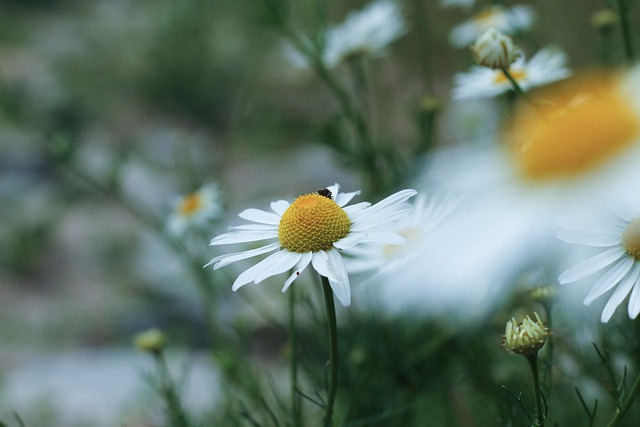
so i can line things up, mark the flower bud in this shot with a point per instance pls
(150, 341)
(494, 50)
(526, 337)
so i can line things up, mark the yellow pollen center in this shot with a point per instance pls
(312, 223)
(576, 136)
(518, 75)
(190, 204)
(631, 238)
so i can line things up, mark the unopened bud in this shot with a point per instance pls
(526, 337)
(494, 50)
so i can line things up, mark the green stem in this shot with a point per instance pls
(621, 411)
(540, 410)
(293, 342)
(548, 363)
(623, 14)
(521, 93)
(175, 411)
(333, 350)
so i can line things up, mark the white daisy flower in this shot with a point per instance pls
(312, 230)
(546, 66)
(618, 239)
(574, 159)
(195, 209)
(459, 3)
(506, 20)
(368, 32)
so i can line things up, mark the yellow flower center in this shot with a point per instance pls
(190, 204)
(518, 75)
(485, 18)
(312, 223)
(578, 134)
(631, 238)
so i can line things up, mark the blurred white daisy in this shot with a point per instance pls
(195, 209)
(546, 66)
(366, 32)
(618, 240)
(574, 159)
(506, 20)
(459, 3)
(313, 229)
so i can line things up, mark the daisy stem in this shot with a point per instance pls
(293, 342)
(517, 89)
(623, 14)
(533, 363)
(621, 411)
(333, 350)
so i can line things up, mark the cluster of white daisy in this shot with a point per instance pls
(492, 209)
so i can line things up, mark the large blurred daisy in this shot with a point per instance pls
(618, 239)
(312, 230)
(546, 66)
(573, 158)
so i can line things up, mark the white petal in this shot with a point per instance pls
(591, 265)
(634, 301)
(608, 280)
(284, 261)
(340, 282)
(280, 206)
(350, 241)
(260, 216)
(598, 238)
(320, 262)
(335, 189)
(366, 220)
(302, 264)
(344, 198)
(620, 294)
(250, 274)
(226, 259)
(385, 237)
(243, 236)
(354, 209)
(390, 202)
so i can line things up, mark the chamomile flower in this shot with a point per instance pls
(366, 32)
(195, 209)
(618, 240)
(571, 159)
(546, 66)
(312, 230)
(506, 20)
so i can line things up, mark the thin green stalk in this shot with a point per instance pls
(621, 411)
(540, 409)
(518, 90)
(623, 14)
(548, 362)
(333, 350)
(293, 343)
(175, 411)
(419, 7)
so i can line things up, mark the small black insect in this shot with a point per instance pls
(325, 193)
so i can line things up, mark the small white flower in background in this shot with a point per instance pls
(494, 50)
(459, 3)
(195, 209)
(312, 230)
(507, 20)
(618, 262)
(547, 66)
(366, 32)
